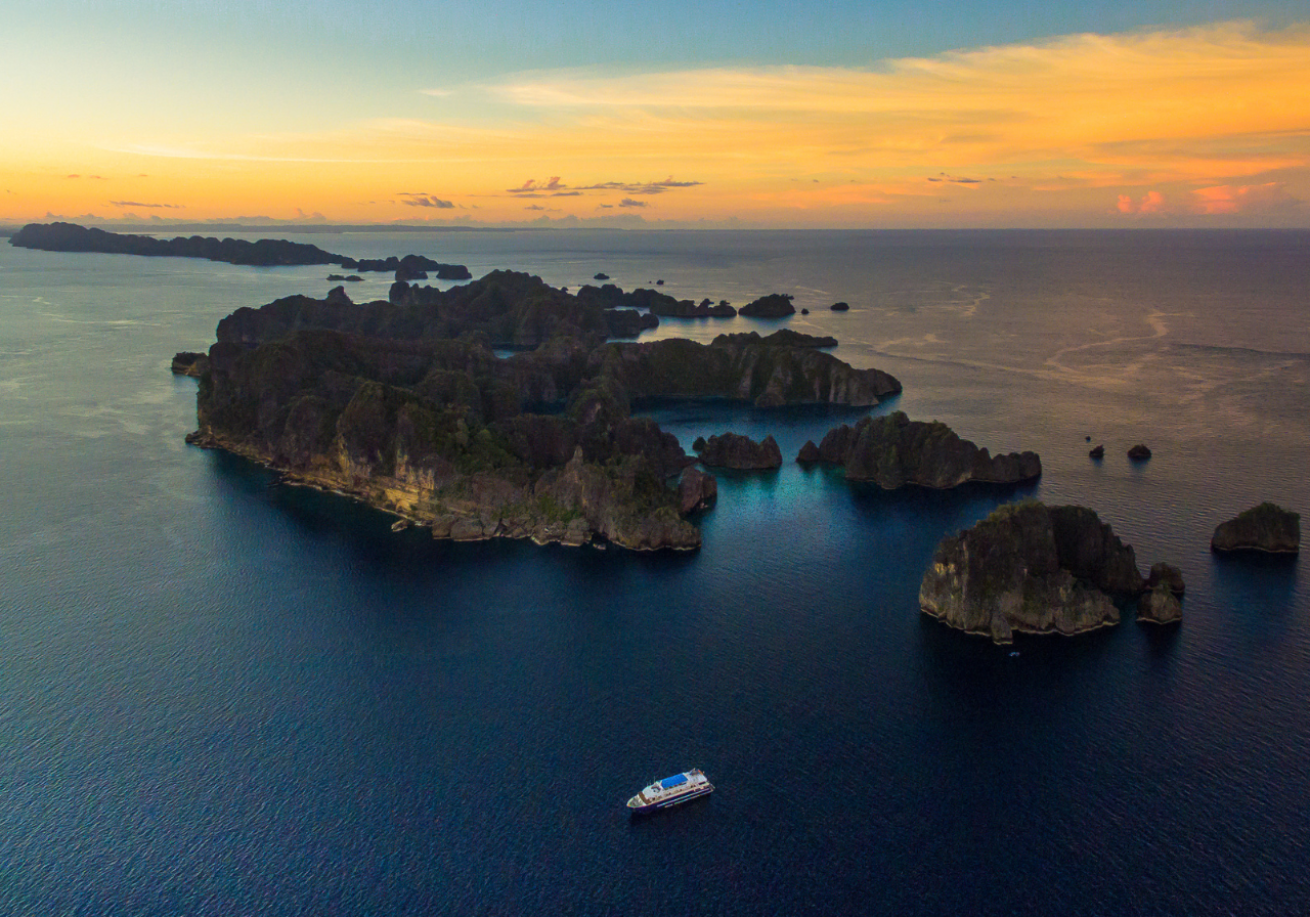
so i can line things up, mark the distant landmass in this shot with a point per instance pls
(70, 237)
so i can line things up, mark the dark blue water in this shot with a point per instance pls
(220, 696)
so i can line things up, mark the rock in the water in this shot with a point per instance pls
(1267, 527)
(839, 307)
(732, 450)
(805, 312)
(1139, 453)
(1098, 453)
(783, 337)
(775, 305)
(1160, 606)
(809, 453)
(893, 451)
(1013, 572)
(189, 363)
(601, 276)
(697, 490)
(1168, 574)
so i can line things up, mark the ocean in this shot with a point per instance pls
(224, 696)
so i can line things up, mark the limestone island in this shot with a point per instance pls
(732, 450)
(775, 305)
(403, 405)
(1034, 569)
(1267, 527)
(893, 451)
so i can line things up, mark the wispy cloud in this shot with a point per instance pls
(423, 199)
(555, 188)
(146, 205)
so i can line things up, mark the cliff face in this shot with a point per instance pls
(435, 432)
(732, 450)
(761, 373)
(1029, 568)
(893, 451)
(1267, 527)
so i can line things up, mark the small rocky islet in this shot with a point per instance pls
(1030, 568)
(1267, 528)
(894, 450)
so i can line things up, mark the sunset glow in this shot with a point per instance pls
(1207, 125)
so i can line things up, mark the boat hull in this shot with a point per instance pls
(670, 803)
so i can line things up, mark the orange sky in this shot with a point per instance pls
(1203, 126)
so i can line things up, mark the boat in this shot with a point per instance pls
(671, 791)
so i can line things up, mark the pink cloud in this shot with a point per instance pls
(1243, 198)
(1151, 202)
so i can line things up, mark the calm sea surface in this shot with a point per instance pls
(219, 696)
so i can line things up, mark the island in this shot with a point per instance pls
(893, 451)
(775, 305)
(406, 407)
(70, 237)
(732, 450)
(1031, 568)
(1267, 527)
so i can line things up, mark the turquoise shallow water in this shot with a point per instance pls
(219, 696)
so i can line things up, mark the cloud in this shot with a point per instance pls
(149, 206)
(555, 188)
(423, 199)
(629, 202)
(1216, 200)
(1263, 198)
(1151, 202)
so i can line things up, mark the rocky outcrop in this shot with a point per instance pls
(893, 451)
(697, 490)
(629, 323)
(809, 454)
(732, 450)
(1160, 605)
(1097, 453)
(783, 337)
(411, 267)
(610, 296)
(189, 363)
(1267, 527)
(1139, 453)
(766, 376)
(508, 308)
(1167, 574)
(840, 307)
(775, 305)
(1031, 569)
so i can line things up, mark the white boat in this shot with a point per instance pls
(671, 791)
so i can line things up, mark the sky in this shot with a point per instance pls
(774, 113)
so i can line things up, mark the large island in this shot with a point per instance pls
(404, 405)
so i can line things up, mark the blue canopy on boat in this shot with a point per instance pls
(669, 783)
